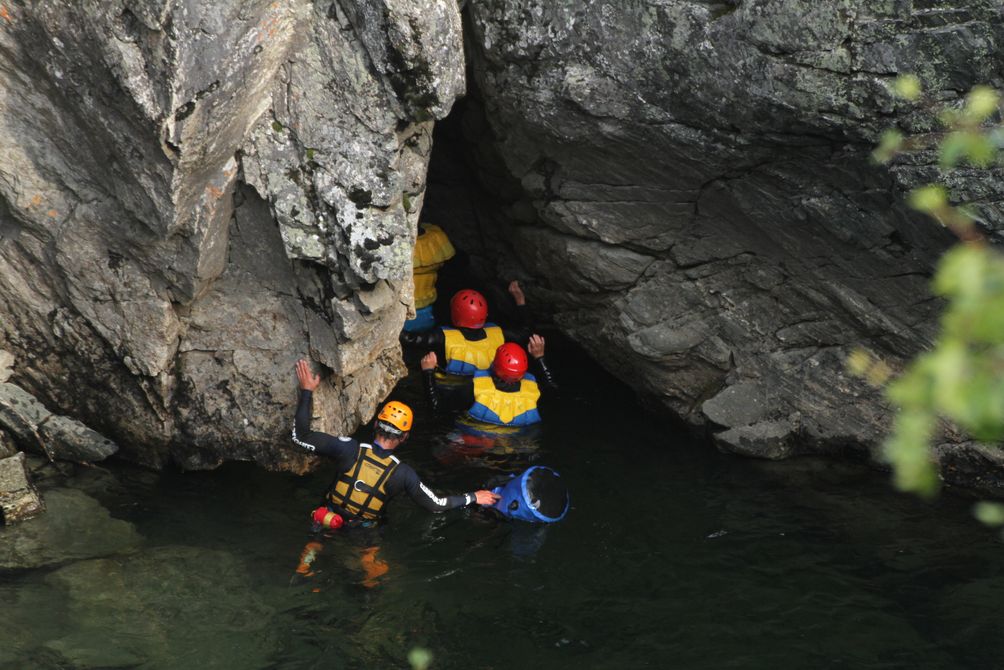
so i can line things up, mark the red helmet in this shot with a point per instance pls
(510, 362)
(468, 309)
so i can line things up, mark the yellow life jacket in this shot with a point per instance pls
(425, 288)
(505, 408)
(464, 357)
(361, 490)
(432, 249)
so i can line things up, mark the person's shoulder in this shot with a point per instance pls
(347, 441)
(404, 470)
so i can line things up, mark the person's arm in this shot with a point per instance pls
(341, 448)
(432, 339)
(519, 329)
(536, 349)
(428, 364)
(427, 498)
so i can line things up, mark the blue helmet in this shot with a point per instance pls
(538, 495)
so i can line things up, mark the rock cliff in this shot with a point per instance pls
(687, 186)
(193, 194)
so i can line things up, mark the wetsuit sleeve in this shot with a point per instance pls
(546, 375)
(426, 497)
(432, 339)
(431, 390)
(342, 449)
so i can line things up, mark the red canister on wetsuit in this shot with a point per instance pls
(327, 519)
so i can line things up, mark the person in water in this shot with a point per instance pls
(370, 473)
(505, 395)
(432, 250)
(469, 345)
(370, 476)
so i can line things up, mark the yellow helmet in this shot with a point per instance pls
(397, 414)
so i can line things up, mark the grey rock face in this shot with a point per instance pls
(19, 500)
(144, 287)
(688, 185)
(41, 431)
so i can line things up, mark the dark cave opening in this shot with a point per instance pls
(472, 197)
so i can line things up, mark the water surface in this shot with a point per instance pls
(672, 556)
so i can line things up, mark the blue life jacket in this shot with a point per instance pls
(424, 320)
(538, 495)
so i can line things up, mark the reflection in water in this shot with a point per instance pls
(502, 448)
(672, 556)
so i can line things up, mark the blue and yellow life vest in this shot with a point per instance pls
(432, 249)
(465, 357)
(505, 408)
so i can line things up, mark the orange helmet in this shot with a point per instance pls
(397, 415)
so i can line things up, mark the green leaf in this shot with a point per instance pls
(981, 102)
(982, 152)
(928, 198)
(907, 451)
(419, 658)
(889, 145)
(276, 126)
(989, 513)
(907, 87)
(953, 149)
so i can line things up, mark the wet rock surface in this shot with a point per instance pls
(161, 609)
(19, 500)
(43, 432)
(75, 526)
(687, 188)
(144, 140)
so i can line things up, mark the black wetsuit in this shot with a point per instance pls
(345, 450)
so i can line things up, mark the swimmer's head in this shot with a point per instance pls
(468, 309)
(394, 421)
(510, 362)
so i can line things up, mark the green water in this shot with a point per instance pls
(673, 556)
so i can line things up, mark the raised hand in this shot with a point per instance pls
(536, 346)
(429, 361)
(517, 292)
(308, 380)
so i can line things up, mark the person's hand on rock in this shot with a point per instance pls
(308, 380)
(429, 361)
